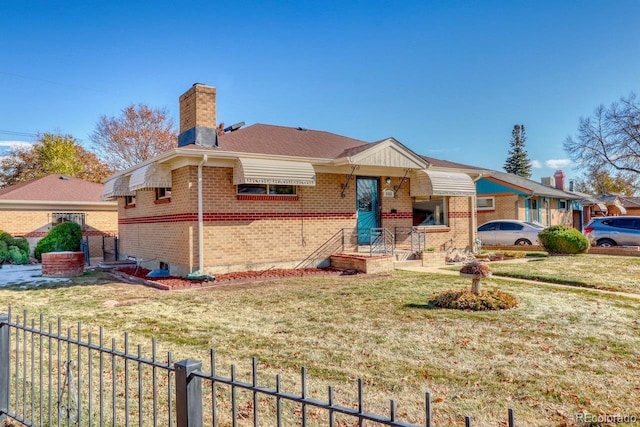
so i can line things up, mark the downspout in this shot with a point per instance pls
(200, 216)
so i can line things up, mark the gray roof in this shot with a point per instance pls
(536, 188)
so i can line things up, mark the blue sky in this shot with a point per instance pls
(448, 79)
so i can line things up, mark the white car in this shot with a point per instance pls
(509, 232)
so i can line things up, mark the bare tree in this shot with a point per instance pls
(138, 134)
(609, 139)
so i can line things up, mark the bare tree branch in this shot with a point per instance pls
(609, 139)
(138, 134)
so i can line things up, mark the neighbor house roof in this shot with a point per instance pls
(534, 187)
(439, 163)
(53, 188)
(284, 141)
(630, 202)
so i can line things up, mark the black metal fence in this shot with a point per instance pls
(55, 377)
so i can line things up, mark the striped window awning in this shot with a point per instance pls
(621, 208)
(117, 187)
(152, 175)
(440, 183)
(275, 172)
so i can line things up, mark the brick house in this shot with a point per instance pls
(503, 195)
(29, 209)
(264, 196)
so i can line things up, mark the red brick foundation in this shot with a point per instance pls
(62, 264)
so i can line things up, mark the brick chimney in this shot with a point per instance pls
(198, 116)
(559, 178)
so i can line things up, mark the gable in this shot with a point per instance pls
(387, 153)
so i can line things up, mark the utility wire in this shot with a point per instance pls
(16, 133)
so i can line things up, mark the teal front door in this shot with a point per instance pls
(367, 207)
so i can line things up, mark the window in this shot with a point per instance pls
(163, 193)
(626, 223)
(271, 189)
(486, 203)
(511, 226)
(562, 204)
(492, 226)
(59, 218)
(129, 201)
(430, 211)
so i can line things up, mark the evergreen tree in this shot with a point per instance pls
(518, 162)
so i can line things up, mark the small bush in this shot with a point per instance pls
(464, 299)
(560, 239)
(22, 244)
(13, 250)
(63, 237)
(4, 251)
(18, 256)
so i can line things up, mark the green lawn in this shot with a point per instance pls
(564, 351)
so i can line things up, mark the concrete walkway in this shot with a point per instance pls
(30, 274)
(445, 270)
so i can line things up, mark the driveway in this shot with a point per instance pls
(30, 275)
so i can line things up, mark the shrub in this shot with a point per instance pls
(22, 244)
(63, 237)
(13, 250)
(4, 251)
(464, 299)
(18, 256)
(6, 237)
(560, 239)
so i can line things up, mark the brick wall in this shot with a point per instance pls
(505, 208)
(256, 232)
(35, 224)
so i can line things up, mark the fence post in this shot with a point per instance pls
(4, 366)
(188, 394)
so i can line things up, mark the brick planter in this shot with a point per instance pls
(62, 264)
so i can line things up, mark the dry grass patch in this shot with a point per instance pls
(563, 351)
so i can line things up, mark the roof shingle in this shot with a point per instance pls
(54, 188)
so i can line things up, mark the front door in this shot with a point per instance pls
(368, 208)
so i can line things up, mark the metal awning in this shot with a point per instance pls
(602, 207)
(275, 172)
(116, 187)
(152, 175)
(428, 182)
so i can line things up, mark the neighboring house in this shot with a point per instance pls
(264, 196)
(29, 209)
(631, 205)
(507, 196)
(606, 205)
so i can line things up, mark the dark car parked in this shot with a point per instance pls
(614, 231)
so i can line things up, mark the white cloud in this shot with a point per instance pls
(15, 144)
(557, 163)
(536, 164)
